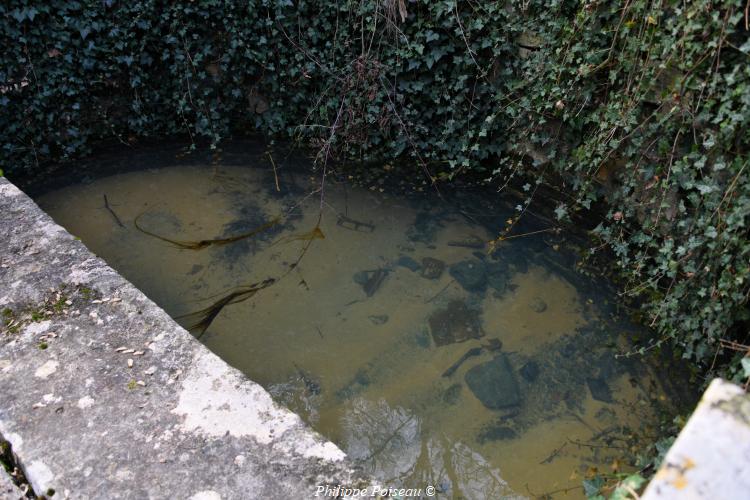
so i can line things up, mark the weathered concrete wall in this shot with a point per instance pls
(102, 395)
(711, 457)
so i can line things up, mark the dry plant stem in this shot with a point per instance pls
(275, 176)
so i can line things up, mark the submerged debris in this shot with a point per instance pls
(455, 323)
(354, 225)
(432, 269)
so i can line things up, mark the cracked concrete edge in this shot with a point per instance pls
(711, 456)
(167, 419)
(8, 489)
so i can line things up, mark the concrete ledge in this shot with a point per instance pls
(711, 456)
(103, 395)
(8, 490)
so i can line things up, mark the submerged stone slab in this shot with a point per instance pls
(494, 383)
(103, 395)
(470, 274)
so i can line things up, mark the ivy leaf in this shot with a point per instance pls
(591, 487)
(18, 15)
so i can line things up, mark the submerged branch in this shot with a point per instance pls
(201, 244)
(112, 212)
(206, 316)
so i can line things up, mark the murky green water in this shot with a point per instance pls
(369, 315)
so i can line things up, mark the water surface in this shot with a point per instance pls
(360, 327)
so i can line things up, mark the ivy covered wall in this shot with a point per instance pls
(641, 105)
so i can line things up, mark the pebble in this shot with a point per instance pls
(379, 319)
(130, 363)
(538, 305)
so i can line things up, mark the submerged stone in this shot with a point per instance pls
(493, 344)
(513, 255)
(378, 319)
(496, 432)
(455, 323)
(599, 389)
(470, 274)
(530, 371)
(432, 269)
(452, 394)
(370, 280)
(422, 339)
(538, 305)
(361, 277)
(498, 276)
(425, 226)
(494, 383)
(408, 263)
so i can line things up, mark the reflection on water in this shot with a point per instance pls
(388, 327)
